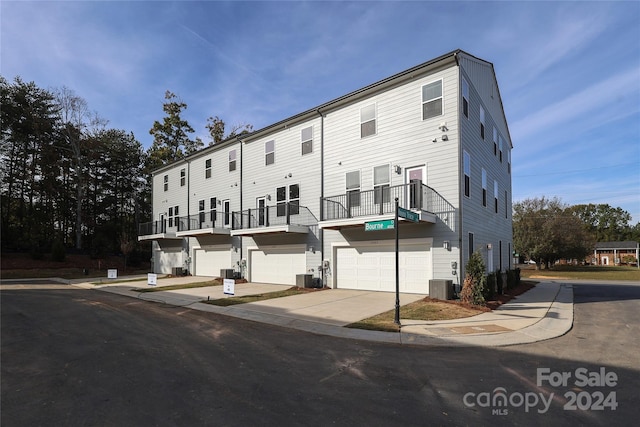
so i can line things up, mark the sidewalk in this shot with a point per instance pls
(542, 313)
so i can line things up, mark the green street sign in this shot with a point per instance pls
(407, 214)
(386, 224)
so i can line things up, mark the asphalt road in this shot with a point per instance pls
(75, 357)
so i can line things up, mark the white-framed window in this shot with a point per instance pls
(470, 242)
(368, 121)
(165, 179)
(352, 185)
(261, 206)
(508, 161)
(213, 210)
(201, 213)
(481, 122)
(500, 147)
(466, 160)
(484, 187)
(495, 195)
(432, 104)
(226, 212)
(173, 216)
(465, 98)
(183, 177)
(232, 160)
(506, 205)
(207, 168)
(381, 184)
(495, 141)
(269, 152)
(288, 195)
(306, 139)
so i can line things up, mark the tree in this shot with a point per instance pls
(605, 223)
(171, 136)
(216, 127)
(545, 230)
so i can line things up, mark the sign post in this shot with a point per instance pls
(396, 318)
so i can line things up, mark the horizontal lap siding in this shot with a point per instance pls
(486, 225)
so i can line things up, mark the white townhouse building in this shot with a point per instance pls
(294, 197)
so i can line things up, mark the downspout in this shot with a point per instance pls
(321, 231)
(188, 239)
(241, 194)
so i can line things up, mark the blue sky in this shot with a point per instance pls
(569, 72)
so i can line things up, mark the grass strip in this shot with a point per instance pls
(177, 287)
(225, 302)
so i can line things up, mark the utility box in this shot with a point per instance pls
(226, 273)
(441, 289)
(304, 280)
(177, 271)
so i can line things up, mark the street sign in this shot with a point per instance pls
(386, 224)
(407, 214)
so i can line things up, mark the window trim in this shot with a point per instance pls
(355, 191)
(441, 98)
(482, 122)
(500, 147)
(165, 180)
(495, 141)
(232, 160)
(495, 194)
(465, 98)
(304, 141)
(374, 120)
(466, 167)
(386, 196)
(183, 177)
(484, 187)
(272, 152)
(207, 168)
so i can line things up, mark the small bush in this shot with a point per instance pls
(471, 292)
(475, 282)
(490, 289)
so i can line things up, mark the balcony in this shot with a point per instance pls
(282, 218)
(155, 230)
(212, 222)
(357, 207)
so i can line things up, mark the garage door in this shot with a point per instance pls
(277, 265)
(372, 268)
(166, 260)
(209, 262)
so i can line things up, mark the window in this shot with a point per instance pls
(207, 168)
(213, 211)
(290, 195)
(467, 173)
(495, 141)
(183, 177)
(173, 216)
(481, 122)
(353, 188)
(232, 160)
(368, 120)
(465, 98)
(484, 187)
(201, 212)
(226, 212)
(506, 206)
(306, 138)
(500, 147)
(269, 152)
(470, 244)
(495, 195)
(381, 183)
(508, 161)
(166, 183)
(261, 205)
(432, 100)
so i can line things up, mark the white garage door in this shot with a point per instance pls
(277, 265)
(166, 260)
(372, 268)
(209, 262)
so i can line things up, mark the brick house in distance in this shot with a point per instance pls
(614, 253)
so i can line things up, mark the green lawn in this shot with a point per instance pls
(589, 272)
(224, 302)
(215, 282)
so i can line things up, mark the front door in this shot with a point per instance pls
(415, 176)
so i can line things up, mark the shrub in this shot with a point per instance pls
(489, 290)
(475, 282)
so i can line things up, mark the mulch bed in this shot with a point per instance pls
(510, 294)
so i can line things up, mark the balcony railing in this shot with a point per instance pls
(381, 201)
(154, 227)
(204, 220)
(270, 216)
